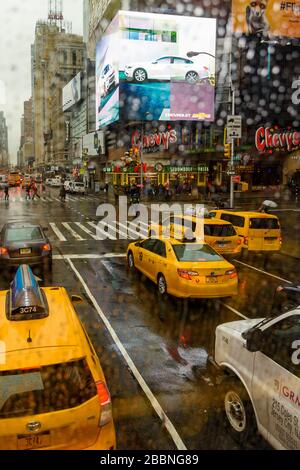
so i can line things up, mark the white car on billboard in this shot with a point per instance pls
(168, 68)
(108, 80)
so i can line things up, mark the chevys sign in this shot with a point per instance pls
(153, 140)
(267, 138)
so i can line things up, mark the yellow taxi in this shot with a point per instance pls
(184, 269)
(53, 394)
(258, 231)
(219, 234)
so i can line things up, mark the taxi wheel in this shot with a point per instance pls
(130, 261)
(240, 417)
(162, 284)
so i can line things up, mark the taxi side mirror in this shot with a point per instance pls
(254, 340)
(76, 299)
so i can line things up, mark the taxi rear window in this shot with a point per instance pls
(23, 234)
(264, 223)
(216, 230)
(45, 390)
(195, 253)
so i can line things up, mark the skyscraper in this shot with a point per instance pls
(3, 141)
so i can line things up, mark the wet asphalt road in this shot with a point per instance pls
(166, 341)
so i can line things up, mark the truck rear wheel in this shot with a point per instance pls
(239, 413)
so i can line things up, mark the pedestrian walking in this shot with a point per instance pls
(27, 189)
(35, 191)
(6, 192)
(62, 193)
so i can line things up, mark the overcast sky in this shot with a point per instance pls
(17, 26)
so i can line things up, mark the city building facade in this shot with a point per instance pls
(4, 157)
(57, 57)
(249, 83)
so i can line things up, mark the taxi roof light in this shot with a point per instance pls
(26, 300)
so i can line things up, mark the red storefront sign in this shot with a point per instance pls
(156, 139)
(267, 138)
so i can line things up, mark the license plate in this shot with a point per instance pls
(212, 280)
(25, 251)
(271, 238)
(35, 441)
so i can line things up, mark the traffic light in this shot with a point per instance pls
(227, 150)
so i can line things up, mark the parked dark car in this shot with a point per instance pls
(24, 243)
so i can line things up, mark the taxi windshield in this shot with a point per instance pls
(23, 234)
(195, 253)
(45, 390)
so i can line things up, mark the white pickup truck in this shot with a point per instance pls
(259, 365)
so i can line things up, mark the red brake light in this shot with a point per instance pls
(185, 274)
(3, 251)
(105, 402)
(239, 242)
(47, 247)
(232, 273)
(246, 240)
(103, 393)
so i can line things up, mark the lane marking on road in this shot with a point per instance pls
(262, 272)
(152, 399)
(73, 233)
(86, 230)
(234, 311)
(89, 256)
(57, 232)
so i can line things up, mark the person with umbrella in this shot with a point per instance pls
(266, 206)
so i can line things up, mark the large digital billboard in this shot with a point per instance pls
(165, 66)
(267, 18)
(107, 76)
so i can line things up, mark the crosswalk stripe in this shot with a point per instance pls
(57, 232)
(86, 230)
(131, 230)
(74, 234)
(98, 229)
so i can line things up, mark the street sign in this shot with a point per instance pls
(237, 179)
(234, 127)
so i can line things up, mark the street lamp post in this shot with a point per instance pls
(141, 156)
(232, 152)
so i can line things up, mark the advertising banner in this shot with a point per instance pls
(167, 67)
(72, 92)
(107, 76)
(267, 18)
(156, 67)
